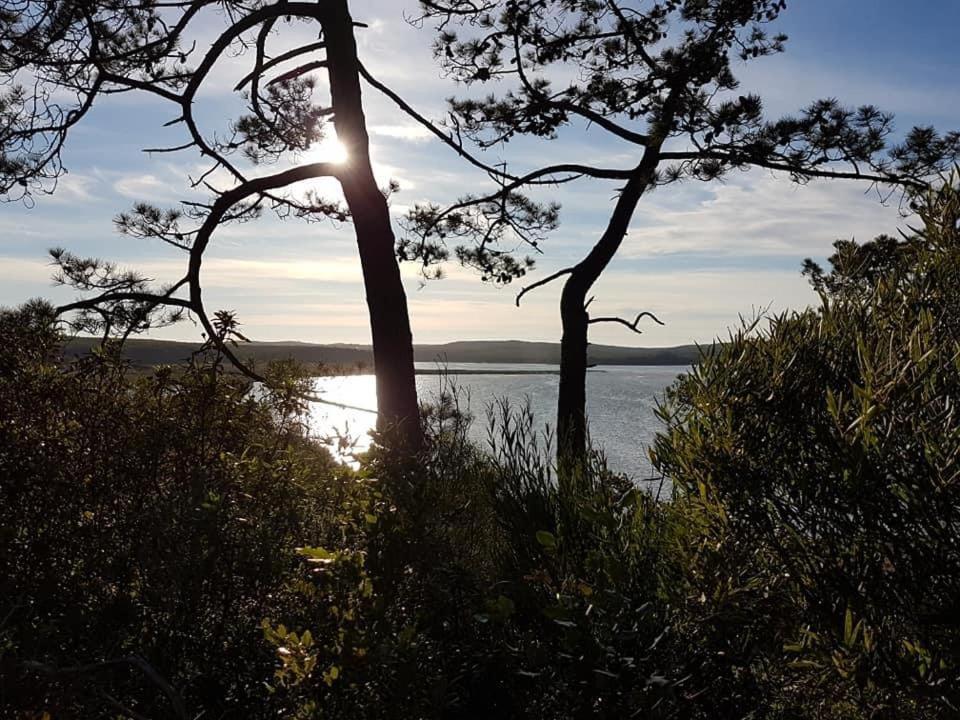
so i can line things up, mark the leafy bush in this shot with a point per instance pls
(500, 592)
(148, 525)
(816, 462)
(173, 543)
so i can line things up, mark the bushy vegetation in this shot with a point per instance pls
(818, 458)
(147, 526)
(174, 544)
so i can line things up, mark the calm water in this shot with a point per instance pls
(620, 404)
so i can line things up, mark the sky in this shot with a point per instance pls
(698, 255)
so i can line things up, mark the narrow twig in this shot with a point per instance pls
(178, 148)
(175, 700)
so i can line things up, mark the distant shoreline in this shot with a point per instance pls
(482, 371)
(349, 359)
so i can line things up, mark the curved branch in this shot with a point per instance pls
(533, 178)
(444, 138)
(541, 283)
(94, 302)
(298, 71)
(194, 304)
(148, 670)
(604, 122)
(220, 207)
(273, 62)
(632, 325)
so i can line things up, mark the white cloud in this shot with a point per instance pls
(13, 269)
(759, 215)
(413, 133)
(146, 188)
(74, 188)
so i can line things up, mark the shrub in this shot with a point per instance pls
(499, 592)
(817, 458)
(148, 524)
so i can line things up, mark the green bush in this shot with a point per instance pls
(501, 592)
(816, 461)
(174, 544)
(148, 525)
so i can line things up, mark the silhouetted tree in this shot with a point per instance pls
(660, 80)
(58, 58)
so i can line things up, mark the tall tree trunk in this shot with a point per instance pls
(397, 403)
(572, 399)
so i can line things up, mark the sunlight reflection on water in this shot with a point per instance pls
(347, 431)
(621, 403)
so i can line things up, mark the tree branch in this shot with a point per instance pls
(176, 701)
(736, 159)
(632, 325)
(541, 283)
(273, 62)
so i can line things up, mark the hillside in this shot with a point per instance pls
(145, 352)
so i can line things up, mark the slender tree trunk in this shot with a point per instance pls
(572, 399)
(386, 299)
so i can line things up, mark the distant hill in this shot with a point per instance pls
(156, 352)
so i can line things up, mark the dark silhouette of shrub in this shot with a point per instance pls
(818, 456)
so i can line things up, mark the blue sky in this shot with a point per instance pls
(698, 255)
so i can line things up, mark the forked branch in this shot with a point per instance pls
(634, 326)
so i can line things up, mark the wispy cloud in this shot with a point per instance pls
(413, 133)
(761, 215)
(146, 187)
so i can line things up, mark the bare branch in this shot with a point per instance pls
(273, 62)
(178, 148)
(176, 701)
(456, 146)
(298, 71)
(541, 283)
(632, 325)
(800, 171)
(604, 122)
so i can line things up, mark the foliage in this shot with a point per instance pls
(147, 527)
(496, 593)
(174, 544)
(818, 456)
(659, 79)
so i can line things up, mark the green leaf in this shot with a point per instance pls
(546, 539)
(317, 555)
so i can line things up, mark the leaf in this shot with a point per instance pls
(317, 555)
(546, 539)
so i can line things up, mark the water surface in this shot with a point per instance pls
(620, 403)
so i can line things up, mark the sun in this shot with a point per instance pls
(330, 150)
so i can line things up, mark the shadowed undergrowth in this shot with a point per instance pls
(176, 545)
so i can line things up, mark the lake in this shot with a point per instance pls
(620, 403)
